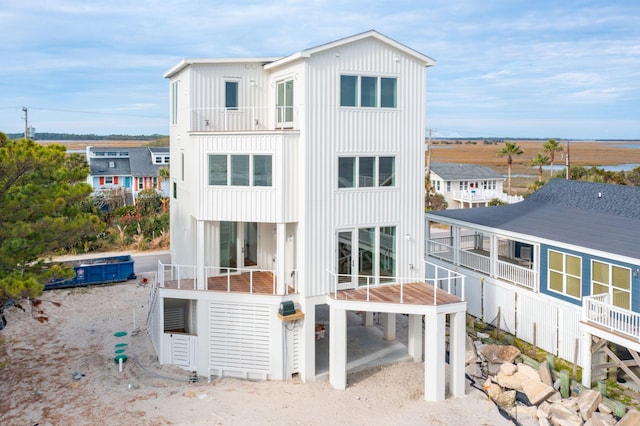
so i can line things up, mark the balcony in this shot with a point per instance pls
(482, 196)
(247, 119)
(476, 257)
(228, 280)
(597, 310)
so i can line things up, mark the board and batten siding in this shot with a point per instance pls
(275, 204)
(331, 131)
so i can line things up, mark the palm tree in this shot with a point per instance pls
(538, 161)
(509, 150)
(551, 147)
(164, 173)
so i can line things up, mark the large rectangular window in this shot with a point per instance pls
(231, 94)
(613, 280)
(240, 170)
(346, 172)
(348, 90)
(565, 274)
(262, 170)
(367, 172)
(370, 172)
(388, 92)
(368, 91)
(386, 171)
(217, 170)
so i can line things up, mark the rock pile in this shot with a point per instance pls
(522, 390)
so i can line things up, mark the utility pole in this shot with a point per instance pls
(26, 122)
(568, 162)
(429, 152)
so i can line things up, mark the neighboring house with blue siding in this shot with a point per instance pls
(563, 264)
(129, 170)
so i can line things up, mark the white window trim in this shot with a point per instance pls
(564, 275)
(610, 284)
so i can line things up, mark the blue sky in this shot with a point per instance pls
(546, 69)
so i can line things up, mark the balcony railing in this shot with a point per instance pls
(504, 269)
(243, 119)
(244, 280)
(444, 279)
(598, 310)
(483, 196)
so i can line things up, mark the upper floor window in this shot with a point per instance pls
(368, 91)
(370, 172)
(436, 185)
(448, 186)
(565, 274)
(613, 280)
(231, 94)
(240, 170)
(174, 102)
(160, 159)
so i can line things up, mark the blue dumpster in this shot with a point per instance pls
(96, 271)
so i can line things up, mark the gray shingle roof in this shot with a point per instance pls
(570, 212)
(459, 171)
(140, 162)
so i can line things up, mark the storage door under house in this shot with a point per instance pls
(240, 339)
(180, 348)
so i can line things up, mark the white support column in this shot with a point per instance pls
(367, 318)
(389, 326)
(415, 337)
(585, 342)
(338, 348)
(281, 241)
(434, 363)
(201, 276)
(457, 340)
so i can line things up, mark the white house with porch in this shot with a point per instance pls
(466, 186)
(561, 269)
(300, 179)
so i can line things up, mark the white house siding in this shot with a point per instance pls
(247, 204)
(331, 131)
(208, 96)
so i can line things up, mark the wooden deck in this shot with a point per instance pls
(259, 282)
(417, 293)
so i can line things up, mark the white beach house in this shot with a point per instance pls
(301, 179)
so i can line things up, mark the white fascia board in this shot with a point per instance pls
(204, 61)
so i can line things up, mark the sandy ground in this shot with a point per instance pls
(62, 372)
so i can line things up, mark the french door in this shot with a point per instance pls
(284, 104)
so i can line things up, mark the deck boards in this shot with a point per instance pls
(417, 293)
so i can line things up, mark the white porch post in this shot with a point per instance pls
(338, 348)
(415, 337)
(281, 238)
(201, 276)
(457, 340)
(456, 244)
(389, 326)
(585, 342)
(367, 318)
(434, 365)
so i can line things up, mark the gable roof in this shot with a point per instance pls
(271, 62)
(595, 216)
(460, 171)
(351, 39)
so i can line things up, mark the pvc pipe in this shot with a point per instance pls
(120, 364)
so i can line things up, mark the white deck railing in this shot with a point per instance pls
(444, 279)
(242, 119)
(484, 196)
(508, 271)
(186, 277)
(516, 274)
(598, 310)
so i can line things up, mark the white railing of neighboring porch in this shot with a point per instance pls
(598, 310)
(444, 279)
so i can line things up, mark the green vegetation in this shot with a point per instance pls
(46, 208)
(509, 150)
(41, 194)
(88, 137)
